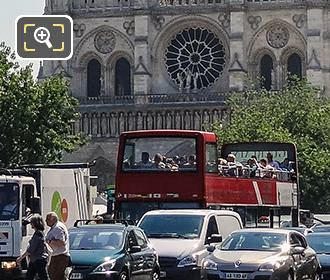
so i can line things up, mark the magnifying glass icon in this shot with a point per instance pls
(42, 35)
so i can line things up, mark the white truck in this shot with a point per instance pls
(61, 188)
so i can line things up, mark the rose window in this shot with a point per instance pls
(195, 58)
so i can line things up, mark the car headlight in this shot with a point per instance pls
(188, 261)
(104, 267)
(8, 265)
(270, 266)
(210, 265)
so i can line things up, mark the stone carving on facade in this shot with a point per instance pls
(278, 36)
(105, 41)
(187, 120)
(141, 68)
(180, 78)
(177, 120)
(103, 123)
(299, 20)
(254, 21)
(314, 62)
(150, 120)
(158, 21)
(129, 26)
(224, 19)
(79, 29)
(139, 121)
(208, 57)
(197, 120)
(159, 122)
(113, 124)
(168, 120)
(236, 65)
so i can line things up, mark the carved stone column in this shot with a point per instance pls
(142, 72)
(237, 69)
(315, 24)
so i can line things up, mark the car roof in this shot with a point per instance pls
(267, 230)
(323, 233)
(104, 226)
(195, 212)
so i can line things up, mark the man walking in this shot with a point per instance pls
(57, 238)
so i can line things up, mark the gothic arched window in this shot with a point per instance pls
(122, 77)
(266, 67)
(93, 78)
(295, 65)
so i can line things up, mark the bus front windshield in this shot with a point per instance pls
(9, 201)
(159, 154)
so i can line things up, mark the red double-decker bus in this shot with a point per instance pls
(180, 169)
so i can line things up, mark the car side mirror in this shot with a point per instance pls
(297, 250)
(35, 205)
(135, 249)
(214, 238)
(210, 248)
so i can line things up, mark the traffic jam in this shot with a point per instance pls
(181, 209)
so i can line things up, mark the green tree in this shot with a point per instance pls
(297, 114)
(35, 117)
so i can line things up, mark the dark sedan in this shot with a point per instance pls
(112, 251)
(262, 254)
(320, 242)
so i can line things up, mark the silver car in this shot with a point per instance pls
(262, 254)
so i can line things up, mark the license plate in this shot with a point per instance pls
(236, 275)
(76, 275)
(162, 274)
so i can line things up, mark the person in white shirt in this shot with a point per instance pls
(58, 239)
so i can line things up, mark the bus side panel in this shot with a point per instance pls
(240, 191)
(161, 186)
(64, 191)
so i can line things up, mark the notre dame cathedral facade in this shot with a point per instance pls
(169, 64)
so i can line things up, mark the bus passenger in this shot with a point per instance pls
(191, 162)
(145, 161)
(158, 161)
(231, 161)
(272, 162)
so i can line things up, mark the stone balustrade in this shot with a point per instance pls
(154, 98)
(83, 6)
(103, 122)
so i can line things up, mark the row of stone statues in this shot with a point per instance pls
(113, 123)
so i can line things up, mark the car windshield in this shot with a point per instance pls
(319, 242)
(172, 226)
(95, 239)
(9, 206)
(255, 241)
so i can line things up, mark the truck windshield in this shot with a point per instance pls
(159, 154)
(9, 206)
(172, 226)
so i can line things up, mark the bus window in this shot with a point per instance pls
(159, 154)
(211, 158)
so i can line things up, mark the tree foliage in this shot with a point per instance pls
(35, 117)
(297, 114)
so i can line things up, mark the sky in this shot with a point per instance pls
(9, 11)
